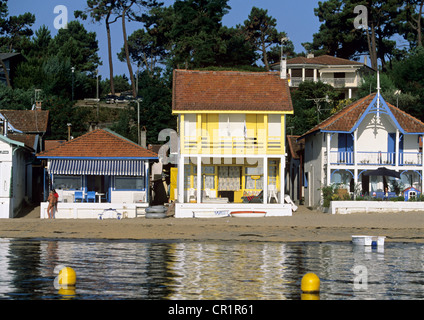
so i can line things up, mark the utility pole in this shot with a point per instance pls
(317, 103)
(73, 71)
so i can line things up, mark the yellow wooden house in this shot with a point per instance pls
(232, 137)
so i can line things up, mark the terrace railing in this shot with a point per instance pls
(376, 158)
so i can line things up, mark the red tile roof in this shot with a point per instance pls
(50, 144)
(295, 147)
(324, 60)
(27, 139)
(345, 119)
(100, 143)
(27, 121)
(230, 91)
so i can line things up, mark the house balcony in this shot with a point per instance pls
(336, 83)
(377, 158)
(341, 82)
(234, 145)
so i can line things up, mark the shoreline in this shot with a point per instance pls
(304, 225)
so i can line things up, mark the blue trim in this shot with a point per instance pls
(412, 171)
(337, 131)
(331, 176)
(361, 173)
(384, 109)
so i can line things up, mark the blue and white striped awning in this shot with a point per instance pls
(97, 167)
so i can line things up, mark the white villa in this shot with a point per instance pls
(366, 135)
(344, 75)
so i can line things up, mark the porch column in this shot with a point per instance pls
(355, 156)
(422, 172)
(265, 182)
(282, 178)
(180, 181)
(397, 149)
(290, 77)
(422, 179)
(303, 74)
(315, 75)
(328, 159)
(355, 147)
(146, 179)
(199, 179)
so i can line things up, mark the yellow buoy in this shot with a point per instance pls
(67, 276)
(67, 293)
(309, 296)
(310, 283)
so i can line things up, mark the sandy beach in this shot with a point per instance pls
(304, 225)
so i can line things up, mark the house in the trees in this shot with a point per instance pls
(344, 75)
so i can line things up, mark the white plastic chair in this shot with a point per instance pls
(272, 193)
(191, 195)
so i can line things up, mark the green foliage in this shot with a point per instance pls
(307, 99)
(329, 193)
(78, 45)
(408, 76)
(261, 32)
(15, 99)
(62, 112)
(337, 35)
(121, 85)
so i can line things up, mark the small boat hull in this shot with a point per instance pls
(248, 214)
(368, 240)
(210, 214)
(110, 214)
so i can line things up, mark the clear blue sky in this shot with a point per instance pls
(296, 18)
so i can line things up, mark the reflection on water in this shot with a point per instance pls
(209, 270)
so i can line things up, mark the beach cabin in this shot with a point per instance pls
(98, 174)
(28, 127)
(364, 136)
(232, 148)
(14, 157)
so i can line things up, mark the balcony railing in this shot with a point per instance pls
(340, 83)
(336, 83)
(233, 145)
(376, 158)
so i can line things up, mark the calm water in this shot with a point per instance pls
(209, 270)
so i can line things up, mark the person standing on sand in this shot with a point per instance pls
(52, 199)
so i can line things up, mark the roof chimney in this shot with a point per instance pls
(283, 63)
(283, 68)
(5, 127)
(310, 56)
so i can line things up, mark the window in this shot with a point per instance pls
(67, 182)
(129, 183)
(254, 178)
(272, 172)
(209, 177)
